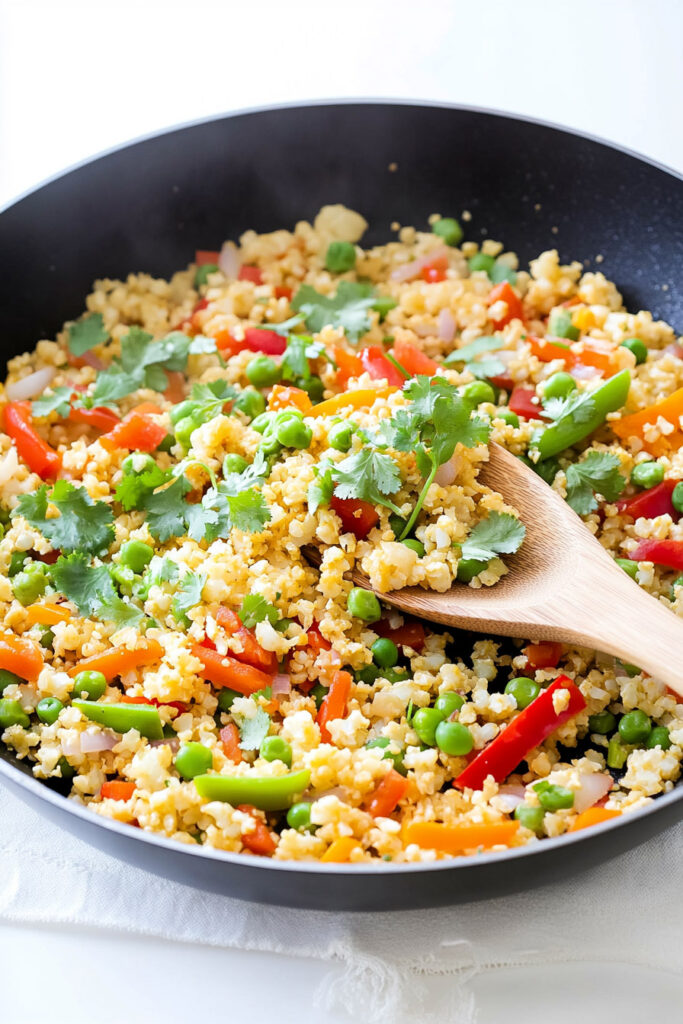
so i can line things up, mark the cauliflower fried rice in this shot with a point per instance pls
(171, 659)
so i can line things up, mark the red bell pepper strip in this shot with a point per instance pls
(206, 257)
(531, 727)
(250, 273)
(223, 670)
(656, 501)
(410, 634)
(270, 342)
(376, 364)
(544, 655)
(260, 840)
(334, 704)
(252, 653)
(349, 364)
(503, 292)
(357, 516)
(136, 432)
(546, 350)
(117, 790)
(662, 552)
(36, 453)
(413, 360)
(502, 381)
(100, 417)
(522, 404)
(316, 641)
(391, 789)
(179, 705)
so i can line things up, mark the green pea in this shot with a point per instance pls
(340, 257)
(184, 430)
(225, 699)
(559, 385)
(523, 690)
(677, 497)
(616, 753)
(415, 546)
(12, 713)
(480, 261)
(448, 229)
(299, 816)
(16, 562)
(554, 798)
(602, 723)
(647, 474)
(447, 703)
(250, 402)
(270, 444)
(28, 586)
(234, 463)
(65, 768)
(530, 817)
(340, 437)
(89, 685)
(468, 568)
(629, 566)
(383, 304)
(678, 582)
(425, 723)
(385, 652)
(136, 555)
(48, 710)
(274, 748)
(261, 422)
(507, 416)
(659, 737)
(502, 271)
(638, 347)
(201, 274)
(193, 759)
(635, 726)
(139, 462)
(560, 325)
(8, 679)
(294, 434)
(477, 392)
(454, 738)
(262, 372)
(395, 675)
(318, 693)
(363, 604)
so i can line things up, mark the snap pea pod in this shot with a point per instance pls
(268, 793)
(585, 417)
(123, 717)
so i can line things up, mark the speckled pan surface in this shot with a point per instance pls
(147, 205)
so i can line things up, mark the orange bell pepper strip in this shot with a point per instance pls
(260, 840)
(503, 293)
(348, 363)
(252, 653)
(285, 397)
(136, 432)
(230, 741)
(391, 789)
(36, 453)
(117, 789)
(118, 661)
(224, 670)
(670, 409)
(47, 614)
(546, 350)
(363, 398)
(593, 816)
(413, 360)
(431, 835)
(334, 704)
(339, 851)
(22, 657)
(597, 353)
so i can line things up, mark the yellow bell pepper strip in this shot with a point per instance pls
(431, 835)
(339, 851)
(572, 427)
(670, 409)
(47, 614)
(593, 816)
(117, 661)
(351, 399)
(123, 717)
(22, 657)
(531, 727)
(267, 792)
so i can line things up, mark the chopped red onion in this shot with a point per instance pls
(229, 260)
(512, 796)
(594, 787)
(282, 685)
(411, 270)
(446, 325)
(445, 474)
(93, 742)
(31, 386)
(583, 372)
(171, 741)
(71, 746)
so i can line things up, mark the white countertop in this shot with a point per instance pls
(76, 78)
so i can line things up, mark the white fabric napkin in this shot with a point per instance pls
(626, 911)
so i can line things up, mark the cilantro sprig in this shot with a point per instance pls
(92, 590)
(82, 524)
(86, 334)
(256, 609)
(347, 309)
(499, 534)
(597, 473)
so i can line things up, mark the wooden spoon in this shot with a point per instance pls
(561, 585)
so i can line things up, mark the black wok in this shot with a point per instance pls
(149, 205)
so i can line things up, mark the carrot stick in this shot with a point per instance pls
(430, 835)
(230, 740)
(117, 790)
(259, 840)
(117, 661)
(223, 670)
(593, 816)
(22, 657)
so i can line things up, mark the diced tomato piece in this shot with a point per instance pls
(522, 402)
(36, 453)
(413, 360)
(136, 432)
(502, 381)
(334, 705)
(117, 790)
(376, 364)
(270, 342)
(100, 417)
(384, 800)
(349, 364)
(543, 655)
(357, 516)
(282, 397)
(230, 740)
(433, 275)
(250, 273)
(252, 652)
(206, 257)
(259, 840)
(282, 292)
(503, 293)
(410, 634)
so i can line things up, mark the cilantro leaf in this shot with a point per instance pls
(284, 327)
(423, 393)
(369, 475)
(58, 401)
(454, 424)
(580, 405)
(294, 365)
(82, 583)
(115, 609)
(188, 596)
(82, 524)
(466, 354)
(500, 533)
(255, 609)
(348, 309)
(253, 730)
(166, 510)
(321, 488)
(143, 364)
(211, 398)
(598, 472)
(483, 369)
(135, 488)
(86, 334)
(248, 511)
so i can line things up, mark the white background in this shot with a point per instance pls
(79, 78)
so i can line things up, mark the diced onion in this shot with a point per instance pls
(593, 787)
(584, 372)
(92, 742)
(229, 260)
(511, 796)
(171, 741)
(446, 325)
(282, 685)
(411, 270)
(445, 474)
(31, 386)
